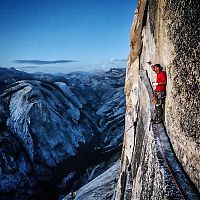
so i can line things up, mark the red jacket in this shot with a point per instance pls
(161, 77)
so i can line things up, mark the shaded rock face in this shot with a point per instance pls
(182, 110)
(164, 32)
(55, 127)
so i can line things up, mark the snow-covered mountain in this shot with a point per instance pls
(58, 131)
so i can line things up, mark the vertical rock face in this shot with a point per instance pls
(165, 32)
(182, 108)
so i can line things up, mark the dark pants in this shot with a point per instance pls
(159, 98)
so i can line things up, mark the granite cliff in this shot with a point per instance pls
(162, 161)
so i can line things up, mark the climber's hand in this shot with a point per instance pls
(149, 62)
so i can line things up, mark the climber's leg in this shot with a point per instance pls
(158, 110)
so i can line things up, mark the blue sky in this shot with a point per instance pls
(86, 34)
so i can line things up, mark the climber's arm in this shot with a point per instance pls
(152, 67)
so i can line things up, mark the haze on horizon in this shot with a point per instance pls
(62, 36)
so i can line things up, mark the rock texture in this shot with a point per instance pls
(158, 162)
(102, 187)
(183, 103)
(58, 132)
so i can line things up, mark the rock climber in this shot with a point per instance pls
(159, 92)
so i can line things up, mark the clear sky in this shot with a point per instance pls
(68, 35)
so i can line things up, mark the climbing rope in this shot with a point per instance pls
(130, 127)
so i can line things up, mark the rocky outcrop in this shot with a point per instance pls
(58, 132)
(102, 187)
(160, 162)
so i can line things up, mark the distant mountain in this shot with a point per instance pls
(57, 131)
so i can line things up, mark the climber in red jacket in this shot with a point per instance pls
(161, 78)
(160, 91)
